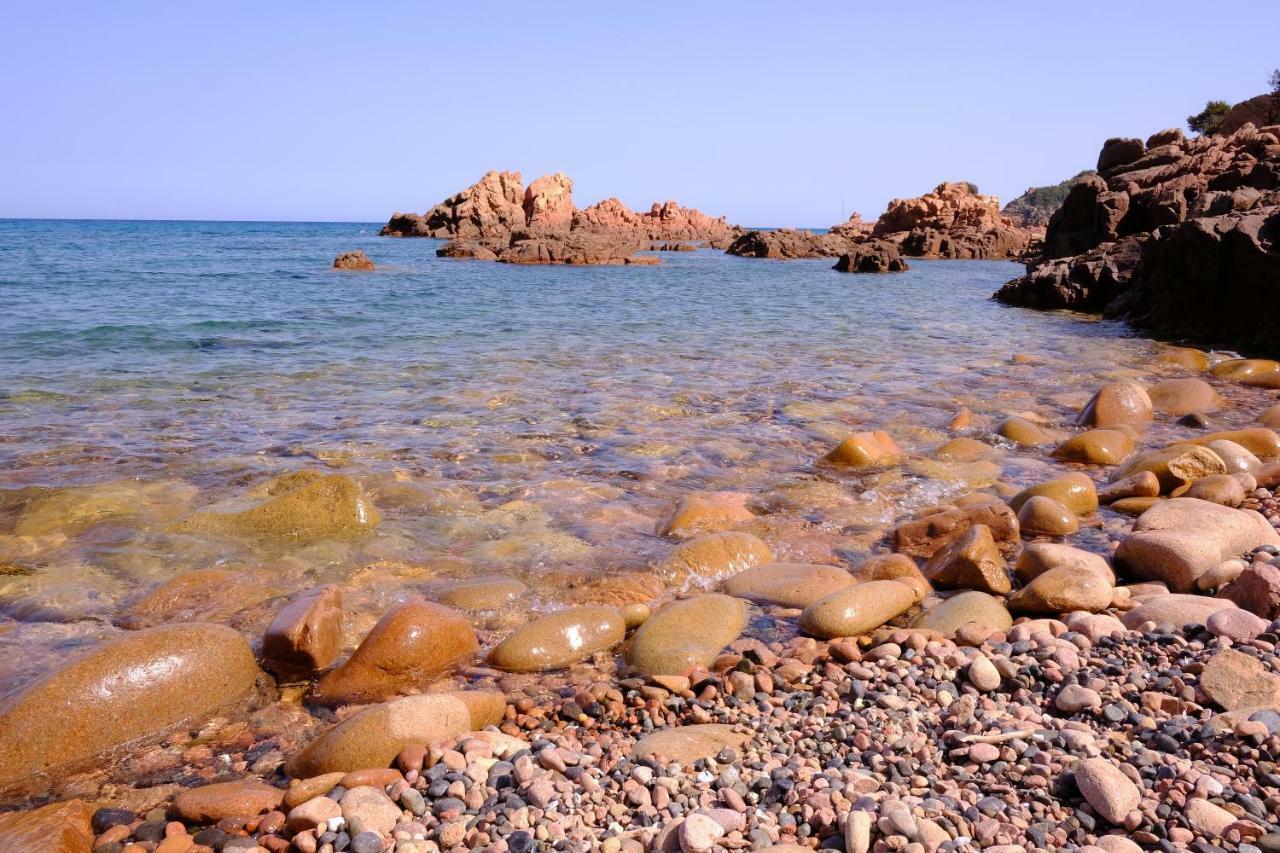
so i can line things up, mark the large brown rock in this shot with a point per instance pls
(922, 537)
(306, 635)
(141, 685)
(789, 243)
(1178, 540)
(560, 639)
(55, 828)
(243, 799)
(1118, 404)
(788, 584)
(714, 556)
(1257, 590)
(374, 737)
(872, 256)
(856, 610)
(971, 562)
(491, 207)
(686, 744)
(686, 634)
(306, 509)
(951, 221)
(548, 203)
(1236, 680)
(412, 645)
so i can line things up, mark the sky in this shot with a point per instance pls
(772, 114)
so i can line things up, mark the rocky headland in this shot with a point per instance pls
(499, 219)
(952, 221)
(1180, 237)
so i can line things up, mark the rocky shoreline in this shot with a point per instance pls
(994, 676)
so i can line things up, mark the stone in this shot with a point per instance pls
(306, 635)
(548, 203)
(373, 737)
(983, 674)
(1257, 590)
(951, 221)
(923, 537)
(893, 567)
(861, 449)
(1206, 819)
(1096, 447)
(1235, 623)
(687, 744)
(1261, 442)
(1074, 698)
(1236, 369)
(482, 593)
(686, 634)
(1223, 489)
(965, 450)
(712, 557)
(211, 803)
(322, 507)
(413, 644)
(1174, 466)
(1184, 396)
(856, 610)
(1111, 793)
(789, 243)
(965, 608)
(354, 260)
(1174, 609)
(56, 828)
(1180, 539)
(706, 513)
(872, 256)
(1116, 404)
(971, 562)
(202, 595)
(143, 684)
(1236, 680)
(371, 809)
(301, 790)
(699, 834)
(1043, 516)
(1074, 491)
(788, 584)
(1063, 590)
(561, 639)
(1023, 432)
(1270, 417)
(312, 814)
(1142, 484)
(1037, 558)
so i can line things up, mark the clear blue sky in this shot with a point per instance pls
(770, 113)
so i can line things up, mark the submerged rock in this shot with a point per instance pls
(330, 505)
(411, 646)
(860, 449)
(560, 639)
(706, 513)
(144, 684)
(713, 556)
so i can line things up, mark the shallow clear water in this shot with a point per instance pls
(526, 421)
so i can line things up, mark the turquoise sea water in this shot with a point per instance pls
(534, 422)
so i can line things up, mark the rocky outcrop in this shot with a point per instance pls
(1179, 237)
(1034, 208)
(789, 243)
(497, 218)
(356, 260)
(952, 221)
(853, 228)
(872, 256)
(1259, 111)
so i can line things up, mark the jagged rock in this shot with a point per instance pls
(872, 256)
(951, 221)
(786, 243)
(356, 260)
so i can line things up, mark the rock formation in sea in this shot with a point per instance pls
(1180, 237)
(954, 220)
(872, 256)
(497, 218)
(355, 260)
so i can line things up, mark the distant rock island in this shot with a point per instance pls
(499, 219)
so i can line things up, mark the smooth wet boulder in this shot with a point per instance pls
(1178, 540)
(242, 799)
(560, 639)
(1223, 489)
(894, 567)
(412, 645)
(965, 450)
(686, 634)
(1037, 558)
(1074, 491)
(1270, 417)
(1063, 590)
(788, 584)
(1173, 466)
(857, 609)
(306, 635)
(706, 513)
(1118, 403)
(714, 556)
(861, 449)
(1023, 432)
(56, 828)
(1043, 516)
(1096, 447)
(373, 737)
(74, 509)
(962, 609)
(1235, 457)
(971, 562)
(1260, 441)
(687, 744)
(1179, 397)
(1142, 484)
(1176, 609)
(141, 685)
(923, 537)
(326, 506)
(1236, 369)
